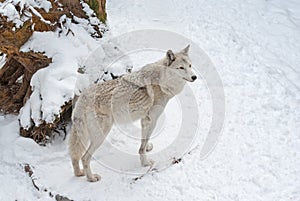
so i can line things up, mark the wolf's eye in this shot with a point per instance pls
(190, 66)
(181, 68)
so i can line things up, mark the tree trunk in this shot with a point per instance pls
(99, 7)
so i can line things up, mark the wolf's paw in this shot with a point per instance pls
(147, 162)
(94, 178)
(79, 173)
(149, 147)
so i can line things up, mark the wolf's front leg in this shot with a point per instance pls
(147, 127)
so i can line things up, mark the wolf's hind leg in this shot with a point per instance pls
(76, 150)
(98, 134)
(86, 159)
(77, 171)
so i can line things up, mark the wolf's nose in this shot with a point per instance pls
(194, 77)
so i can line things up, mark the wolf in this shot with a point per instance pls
(143, 95)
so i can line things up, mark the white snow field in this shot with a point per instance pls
(254, 46)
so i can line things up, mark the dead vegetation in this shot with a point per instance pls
(16, 74)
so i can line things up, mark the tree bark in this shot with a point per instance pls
(99, 7)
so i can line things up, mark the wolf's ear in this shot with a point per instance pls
(186, 49)
(170, 57)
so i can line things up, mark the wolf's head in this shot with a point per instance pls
(180, 64)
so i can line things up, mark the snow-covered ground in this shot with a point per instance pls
(255, 47)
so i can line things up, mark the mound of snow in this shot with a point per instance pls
(55, 85)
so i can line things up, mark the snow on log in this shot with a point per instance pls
(42, 45)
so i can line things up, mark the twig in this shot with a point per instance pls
(151, 169)
(140, 177)
(28, 170)
(62, 198)
(58, 197)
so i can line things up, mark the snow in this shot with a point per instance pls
(55, 85)
(12, 14)
(7, 8)
(2, 59)
(254, 46)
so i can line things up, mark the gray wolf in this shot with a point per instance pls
(143, 94)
